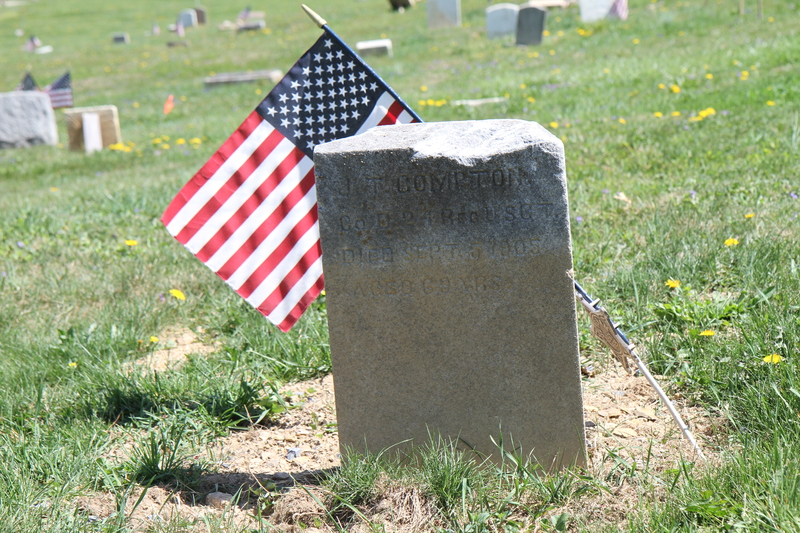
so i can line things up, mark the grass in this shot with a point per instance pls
(77, 300)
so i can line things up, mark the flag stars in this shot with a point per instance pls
(373, 86)
(285, 122)
(296, 97)
(329, 56)
(350, 65)
(365, 100)
(271, 111)
(317, 57)
(339, 54)
(284, 110)
(306, 83)
(296, 121)
(295, 84)
(283, 98)
(362, 75)
(328, 43)
(306, 71)
(296, 109)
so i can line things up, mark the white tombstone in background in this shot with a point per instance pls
(92, 134)
(188, 18)
(501, 20)
(594, 10)
(26, 119)
(444, 13)
(377, 47)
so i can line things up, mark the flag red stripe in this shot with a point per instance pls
(258, 197)
(211, 167)
(226, 191)
(298, 310)
(391, 115)
(280, 252)
(292, 277)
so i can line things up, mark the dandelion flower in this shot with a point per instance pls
(622, 121)
(153, 339)
(731, 242)
(136, 105)
(531, 99)
(708, 333)
(675, 89)
(773, 358)
(676, 113)
(606, 71)
(131, 242)
(554, 125)
(53, 189)
(662, 86)
(546, 33)
(178, 294)
(770, 103)
(749, 215)
(180, 141)
(658, 114)
(709, 76)
(323, 292)
(73, 364)
(672, 283)
(423, 88)
(636, 41)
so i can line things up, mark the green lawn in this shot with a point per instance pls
(687, 108)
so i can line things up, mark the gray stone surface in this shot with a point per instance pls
(530, 25)
(501, 20)
(447, 259)
(594, 10)
(376, 47)
(26, 119)
(444, 13)
(187, 17)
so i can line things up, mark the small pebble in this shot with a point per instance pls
(294, 453)
(219, 500)
(280, 476)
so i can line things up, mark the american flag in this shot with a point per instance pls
(27, 83)
(619, 9)
(250, 214)
(60, 92)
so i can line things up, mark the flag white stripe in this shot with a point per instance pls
(404, 118)
(297, 292)
(278, 273)
(378, 112)
(243, 192)
(262, 213)
(220, 177)
(276, 237)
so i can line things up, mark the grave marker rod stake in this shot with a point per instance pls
(609, 333)
(322, 23)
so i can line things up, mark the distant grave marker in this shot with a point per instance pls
(26, 119)
(451, 310)
(252, 25)
(92, 134)
(594, 10)
(202, 15)
(109, 125)
(444, 13)
(122, 38)
(501, 20)
(377, 47)
(530, 25)
(225, 78)
(187, 18)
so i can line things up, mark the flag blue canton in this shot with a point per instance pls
(327, 95)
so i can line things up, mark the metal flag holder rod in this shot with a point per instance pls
(609, 333)
(602, 326)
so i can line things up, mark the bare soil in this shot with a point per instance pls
(274, 470)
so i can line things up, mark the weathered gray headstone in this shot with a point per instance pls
(376, 47)
(252, 25)
(448, 270)
(122, 38)
(594, 10)
(202, 15)
(444, 13)
(26, 119)
(530, 25)
(501, 20)
(187, 18)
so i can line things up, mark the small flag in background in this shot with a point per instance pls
(169, 104)
(250, 214)
(60, 92)
(27, 83)
(619, 9)
(244, 14)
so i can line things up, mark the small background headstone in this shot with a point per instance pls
(501, 20)
(224, 78)
(109, 125)
(122, 38)
(444, 13)
(252, 25)
(594, 10)
(26, 119)
(399, 5)
(202, 15)
(530, 25)
(92, 134)
(451, 308)
(377, 47)
(187, 18)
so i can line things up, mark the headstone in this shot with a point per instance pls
(594, 10)
(187, 18)
(448, 271)
(92, 134)
(109, 125)
(26, 119)
(122, 38)
(530, 25)
(202, 15)
(224, 78)
(501, 20)
(252, 25)
(444, 13)
(175, 44)
(377, 47)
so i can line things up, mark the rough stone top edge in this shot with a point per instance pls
(21, 95)
(466, 142)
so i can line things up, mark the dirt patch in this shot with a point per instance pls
(266, 466)
(172, 350)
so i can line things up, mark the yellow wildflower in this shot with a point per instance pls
(676, 113)
(164, 146)
(180, 141)
(672, 283)
(72, 364)
(709, 76)
(731, 242)
(749, 215)
(622, 120)
(546, 33)
(774, 359)
(658, 114)
(178, 294)
(423, 88)
(707, 333)
(195, 140)
(531, 99)
(153, 339)
(636, 41)
(554, 125)
(675, 89)
(662, 86)
(131, 242)
(770, 103)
